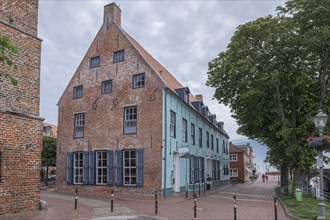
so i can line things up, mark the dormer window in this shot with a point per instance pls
(183, 93)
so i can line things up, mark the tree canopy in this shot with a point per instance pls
(275, 77)
(48, 151)
(7, 51)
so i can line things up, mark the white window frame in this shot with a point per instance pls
(184, 130)
(129, 168)
(172, 124)
(130, 120)
(78, 167)
(233, 172)
(193, 140)
(101, 167)
(233, 157)
(79, 124)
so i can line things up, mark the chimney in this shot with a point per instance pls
(199, 97)
(112, 13)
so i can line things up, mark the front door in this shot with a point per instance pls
(176, 169)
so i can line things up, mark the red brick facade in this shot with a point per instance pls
(20, 125)
(103, 124)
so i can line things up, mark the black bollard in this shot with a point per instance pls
(156, 202)
(195, 206)
(186, 190)
(112, 198)
(275, 207)
(235, 211)
(76, 199)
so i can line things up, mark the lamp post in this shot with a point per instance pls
(320, 121)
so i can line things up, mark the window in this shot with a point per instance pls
(225, 170)
(186, 96)
(223, 147)
(233, 173)
(207, 140)
(129, 167)
(106, 87)
(233, 157)
(77, 92)
(172, 125)
(184, 130)
(130, 120)
(138, 80)
(78, 168)
(79, 122)
(118, 56)
(200, 138)
(217, 140)
(95, 62)
(196, 169)
(192, 134)
(101, 167)
(212, 144)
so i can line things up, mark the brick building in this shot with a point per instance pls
(20, 124)
(125, 122)
(241, 163)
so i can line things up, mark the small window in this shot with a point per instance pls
(78, 168)
(101, 167)
(233, 157)
(217, 145)
(130, 120)
(200, 138)
(212, 143)
(172, 125)
(186, 96)
(192, 134)
(95, 62)
(207, 140)
(233, 173)
(106, 87)
(118, 56)
(77, 92)
(79, 123)
(184, 130)
(138, 80)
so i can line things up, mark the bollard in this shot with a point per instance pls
(112, 197)
(204, 185)
(193, 188)
(199, 190)
(76, 199)
(235, 211)
(195, 206)
(156, 202)
(275, 207)
(186, 190)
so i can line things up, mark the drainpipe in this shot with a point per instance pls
(165, 148)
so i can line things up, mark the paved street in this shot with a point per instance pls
(254, 201)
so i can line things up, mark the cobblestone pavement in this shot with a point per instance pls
(254, 201)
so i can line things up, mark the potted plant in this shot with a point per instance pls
(208, 182)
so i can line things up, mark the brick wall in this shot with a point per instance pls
(20, 125)
(104, 113)
(239, 165)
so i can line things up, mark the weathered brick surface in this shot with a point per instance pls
(20, 125)
(104, 113)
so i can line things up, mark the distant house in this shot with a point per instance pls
(20, 124)
(49, 130)
(125, 122)
(241, 163)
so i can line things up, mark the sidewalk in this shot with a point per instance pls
(254, 201)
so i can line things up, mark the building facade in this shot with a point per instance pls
(20, 124)
(126, 123)
(242, 168)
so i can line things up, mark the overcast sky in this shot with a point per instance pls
(182, 35)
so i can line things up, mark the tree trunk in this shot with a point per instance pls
(296, 180)
(284, 175)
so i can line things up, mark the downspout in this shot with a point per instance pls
(165, 147)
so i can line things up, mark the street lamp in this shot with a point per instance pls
(320, 120)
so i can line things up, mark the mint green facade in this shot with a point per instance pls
(177, 169)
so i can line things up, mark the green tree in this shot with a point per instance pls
(7, 52)
(274, 76)
(48, 156)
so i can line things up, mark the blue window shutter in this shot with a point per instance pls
(69, 163)
(119, 167)
(110, 168)
(139, 167)
(91, 167)
(85, 167)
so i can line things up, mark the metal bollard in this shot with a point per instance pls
(112, 198)
(235, 211)
(195, 206)
(275, 207)
(156, 202)
(186, 190)
(199, 190)
(76, 199)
